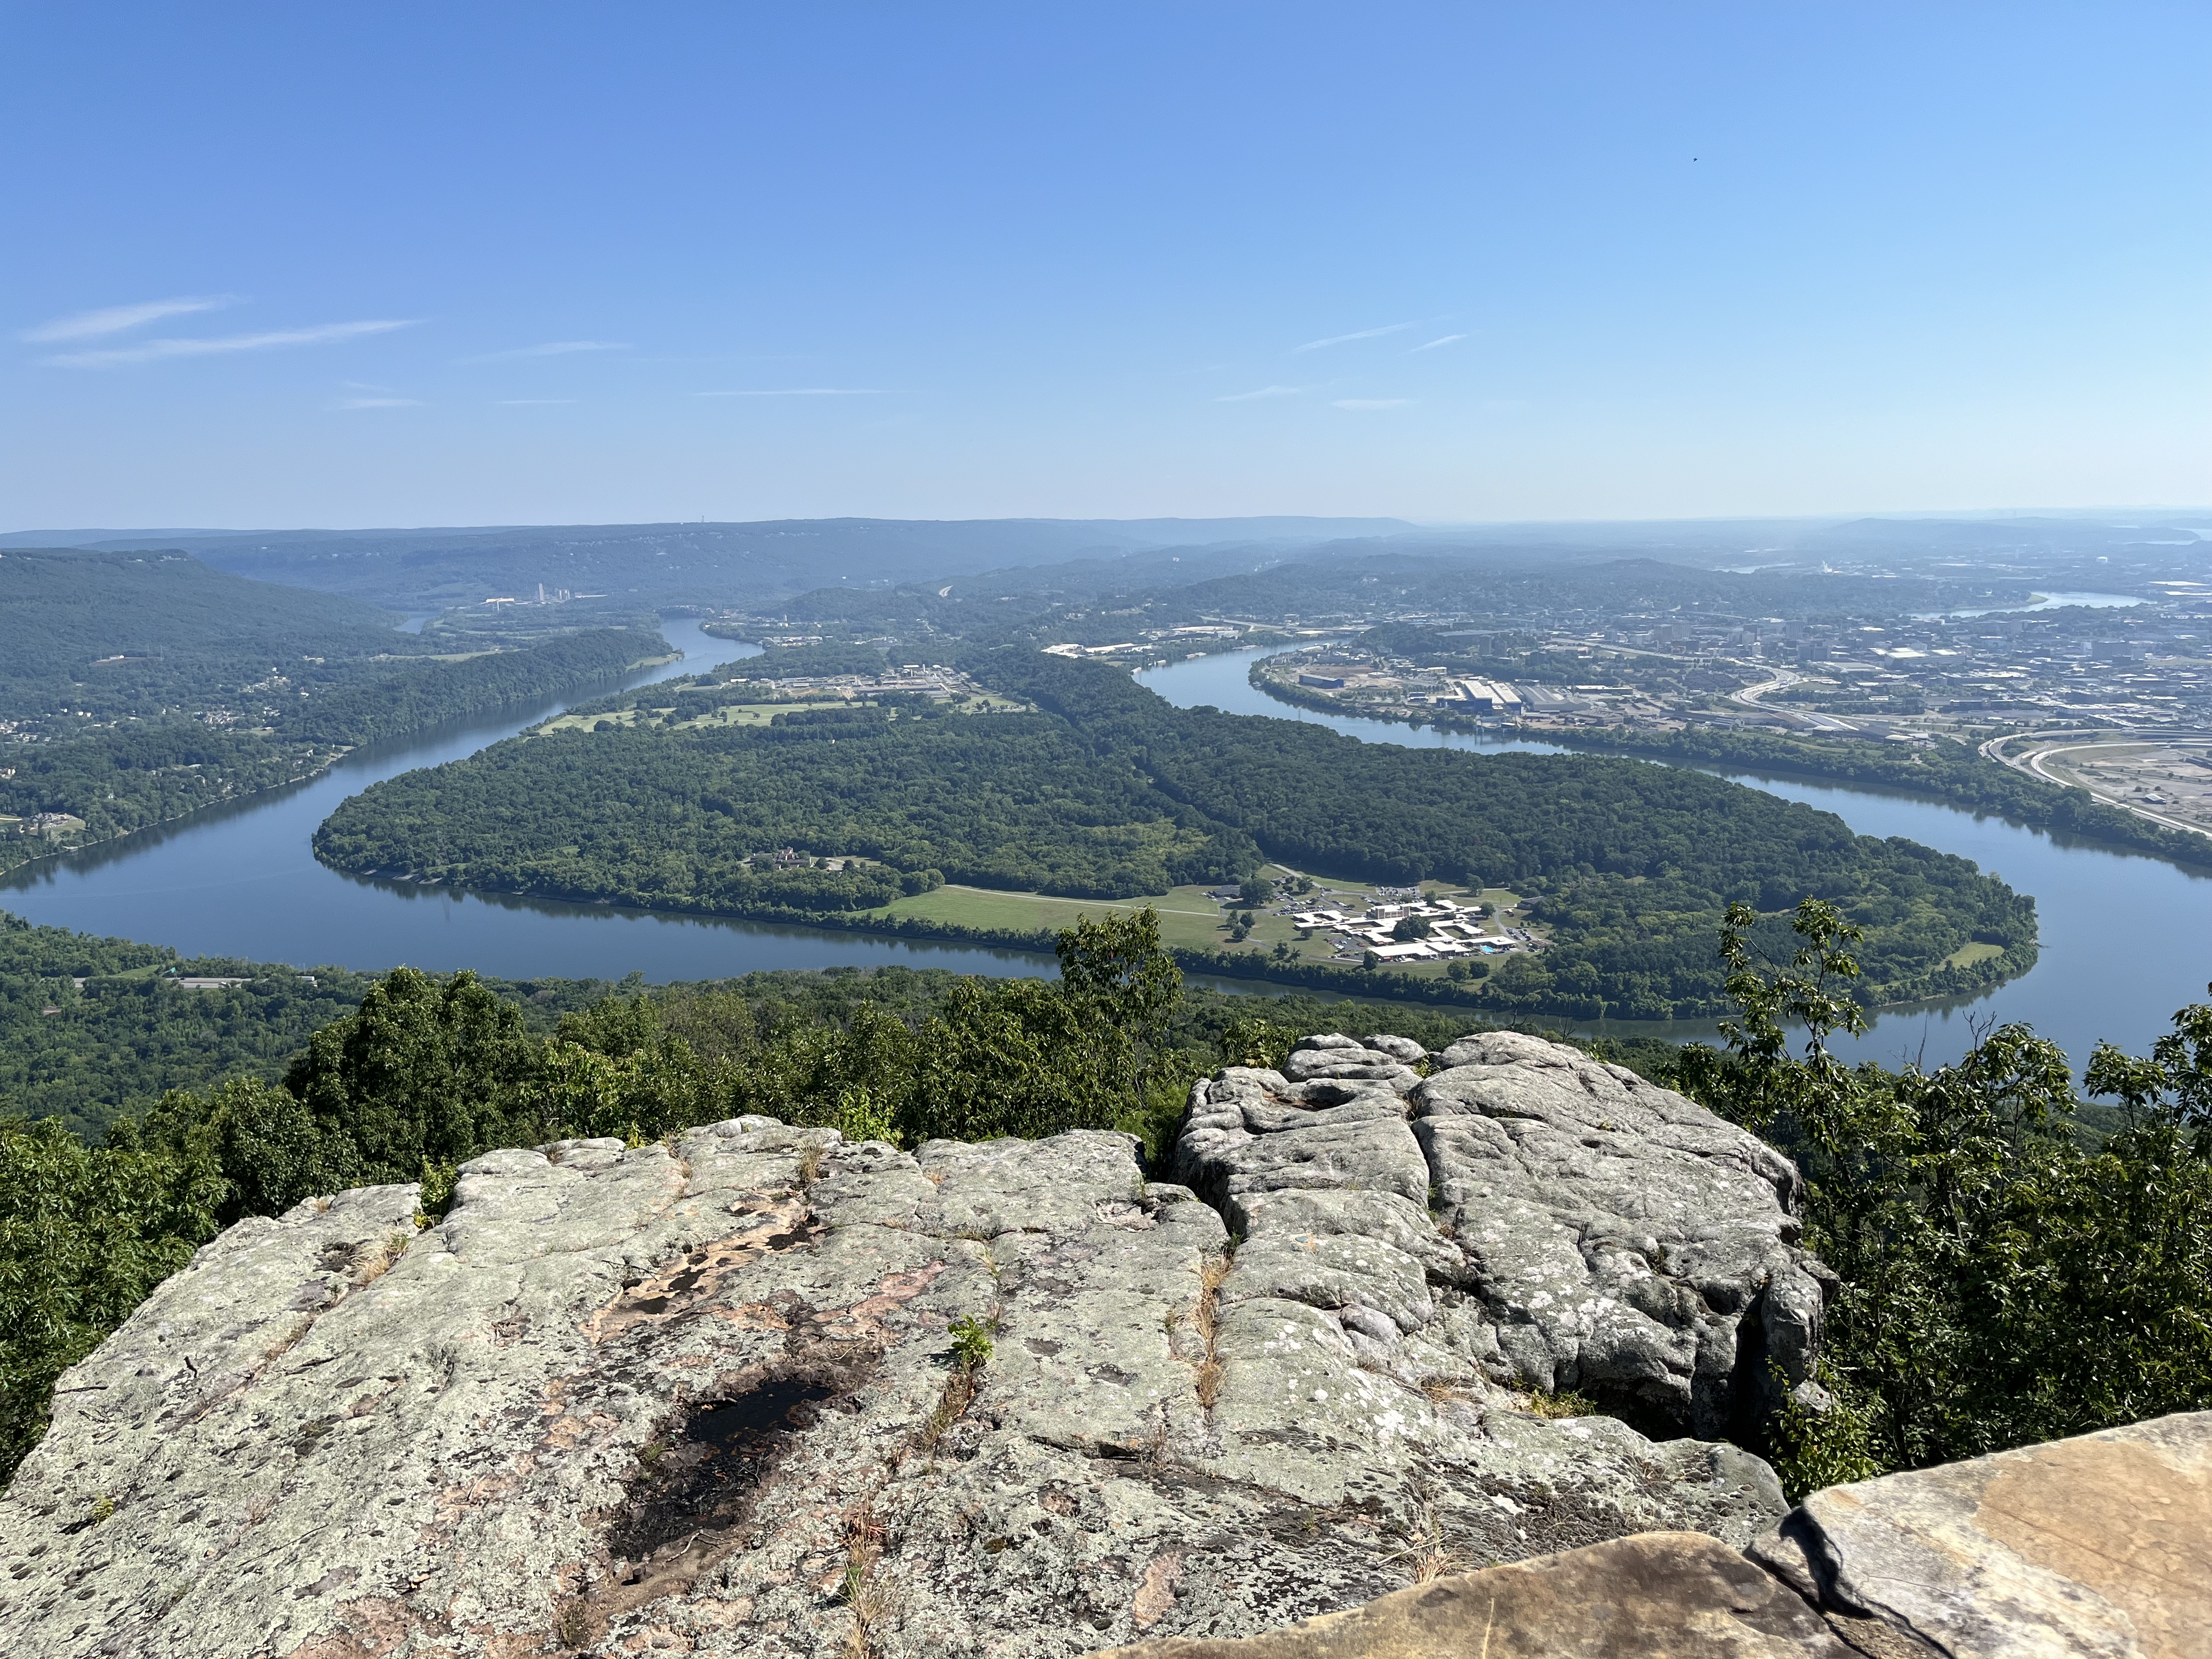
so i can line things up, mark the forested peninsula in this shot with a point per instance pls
(1108, 792)
(1949, 772)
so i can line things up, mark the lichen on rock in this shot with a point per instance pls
(703, 1397)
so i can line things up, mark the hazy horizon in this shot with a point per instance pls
(2095, 512)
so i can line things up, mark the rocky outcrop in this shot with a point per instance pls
(2099, 1547)
(703, 1397)
(1559, 1222)
(729, 1395)
(1662, 1595)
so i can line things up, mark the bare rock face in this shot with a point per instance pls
(1661, 1595)
(1627, 1242)
(1561, 1223)
(701, 1397)
(2097, 1546)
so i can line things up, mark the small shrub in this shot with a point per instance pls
(971, 1342)
(1811, 1449)
(439, 1180)
(1255, 1040)
(574, 1628)
(859, 1117)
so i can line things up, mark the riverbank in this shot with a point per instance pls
(114, 784)
(261, 769)
(1376, 985)
(1949, 772)
(2123, 934)
(239, 880)
(1974, 968)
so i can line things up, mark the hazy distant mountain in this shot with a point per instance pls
(1957, 537)
(689, 563)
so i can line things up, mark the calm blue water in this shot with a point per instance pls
(2126, 939)
(241, 881)
(2058, 601)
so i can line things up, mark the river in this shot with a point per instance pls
(2126, 939)
(241, 880)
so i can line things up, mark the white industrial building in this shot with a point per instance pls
(1491, 696)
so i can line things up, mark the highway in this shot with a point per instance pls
(1750, 695)
(2039, 750)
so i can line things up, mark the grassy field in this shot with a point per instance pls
(756, 713)
(1966, 955)
(745, 714)
(1188, 919)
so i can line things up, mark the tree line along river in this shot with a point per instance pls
(2126, 939)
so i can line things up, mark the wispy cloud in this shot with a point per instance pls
(1363, 405)
(1448, 339)
(322, 334)
(522, 403)
(805, 392)
(1264, 391)
(1359, 334)
(378, 402)
(551, 349)
(114, 320)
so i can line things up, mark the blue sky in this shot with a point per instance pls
(464, 263)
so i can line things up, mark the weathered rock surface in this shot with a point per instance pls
(702, 1398)
(1591, 1232)
(2101, 1545)
(1663, 1596)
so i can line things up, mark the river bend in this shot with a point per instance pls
(2126, 939)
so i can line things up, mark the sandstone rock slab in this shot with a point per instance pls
(1662, 1595)
(2096, 1546)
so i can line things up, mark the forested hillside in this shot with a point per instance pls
(1364, 582)
(1112, 792)
(92, 1029)
(137, 688)
(630, 566)
(408, 698)
(1635, 861)
(649, 815)
(1358, 581)
(100, 636)
(113, 1045)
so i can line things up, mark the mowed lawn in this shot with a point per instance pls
(1187, 918)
